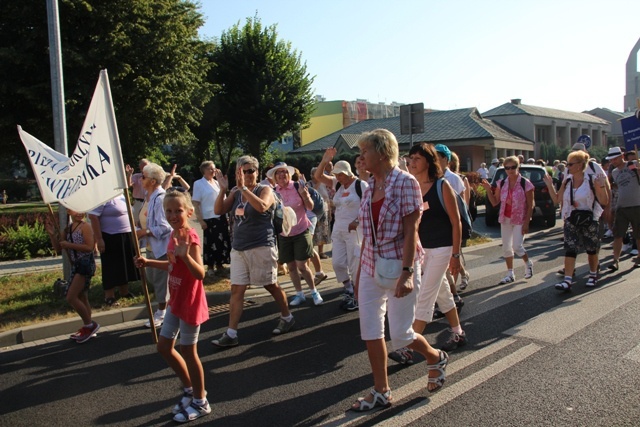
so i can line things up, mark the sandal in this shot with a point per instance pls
(403, 356)
(184, 402)
(380, 400)
(614, 266)
(192, 412)
(563, 286)
(440, 366)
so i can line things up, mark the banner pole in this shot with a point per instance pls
(143, 277)
(125, 188)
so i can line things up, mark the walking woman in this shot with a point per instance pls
(254, 255)
(389, 214)
(515, 196)
(345, 241)
(216, 242)
(581, 197)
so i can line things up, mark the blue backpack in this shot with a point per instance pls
(465, 218)
(318, 202)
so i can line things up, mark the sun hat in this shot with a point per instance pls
(441, 148)
(495, 161)
(342, 167)
(613, 153)
(280, 165)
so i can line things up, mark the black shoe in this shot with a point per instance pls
(403, 356)
(437, 314)
(455, 341)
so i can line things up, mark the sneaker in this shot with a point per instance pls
(86, 333)
(509, 278)
(345, 298)
(403, 356)
(185, 401)
(592, 281)
(608, 234)
(225, 341)
(158, 319)
(351, 304)
(528, 271)
(455, 341)
(317, 299)
(192, 412)
(320, 277)
(563, 286)
(459, 303)
(626, 247)
(297, 300)
(634, 252)
(464, 281)
(283, 326)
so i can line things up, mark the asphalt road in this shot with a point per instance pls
(535, 357)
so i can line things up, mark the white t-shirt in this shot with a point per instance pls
(455, 181)
(347, 205)
(206, 194)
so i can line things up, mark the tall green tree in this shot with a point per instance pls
(265, 89)
(156, 61)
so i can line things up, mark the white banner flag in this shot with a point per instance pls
(94, 174)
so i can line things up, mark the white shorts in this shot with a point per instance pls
(374, 301)
(256, 266)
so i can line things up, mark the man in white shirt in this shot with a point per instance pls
(483, 171)
(493, 168)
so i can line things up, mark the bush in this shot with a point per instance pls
(25, 242)
(12, 219)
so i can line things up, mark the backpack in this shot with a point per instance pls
(358, 187)
(465, 218)
(278, 214)
(318, 201)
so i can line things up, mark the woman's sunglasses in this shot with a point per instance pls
(510, 168)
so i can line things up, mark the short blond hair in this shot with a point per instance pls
(383, 142)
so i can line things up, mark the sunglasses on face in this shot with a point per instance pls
(248, 171)
(574, 163)
(510, 168)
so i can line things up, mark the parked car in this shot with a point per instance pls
(544, 207)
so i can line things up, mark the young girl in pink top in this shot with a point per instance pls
(187, 307)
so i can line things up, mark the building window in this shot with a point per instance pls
(541, 134)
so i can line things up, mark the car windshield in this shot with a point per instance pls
(532, 174)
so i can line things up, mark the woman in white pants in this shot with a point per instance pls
(516, 207)
(345, 243)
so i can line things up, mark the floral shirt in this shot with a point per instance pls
(402, 197)
(516, 198)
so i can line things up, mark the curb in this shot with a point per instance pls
(57, 328)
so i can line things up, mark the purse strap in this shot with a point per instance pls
(571, 192)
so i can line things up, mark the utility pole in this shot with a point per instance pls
(57, 98)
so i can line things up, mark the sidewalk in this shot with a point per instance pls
(132, 317)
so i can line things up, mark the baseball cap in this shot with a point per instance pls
(441, 148)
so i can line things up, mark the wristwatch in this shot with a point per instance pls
(243, 188)
(455, 255)
(409, 269)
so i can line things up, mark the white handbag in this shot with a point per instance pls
(387, 272)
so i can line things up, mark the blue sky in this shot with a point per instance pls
(563, 54)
